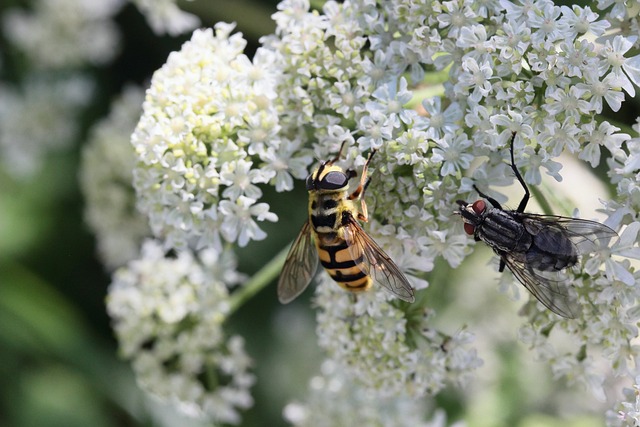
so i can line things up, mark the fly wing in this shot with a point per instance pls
(299, 267)
(586, 236)
(548, 287)
(376, 263)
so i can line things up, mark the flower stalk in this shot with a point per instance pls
(262, 278)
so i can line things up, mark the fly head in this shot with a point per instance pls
(472, 214)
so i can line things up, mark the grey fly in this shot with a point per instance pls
(536, 248)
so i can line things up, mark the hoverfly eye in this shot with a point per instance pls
(479, 206)
(309, 182)
(334, 180)
(470, 229)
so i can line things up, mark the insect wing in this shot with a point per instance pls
(548, 287)
(376, 263)
(586, 236)
(299, 267)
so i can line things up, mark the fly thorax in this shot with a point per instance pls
(501, 230)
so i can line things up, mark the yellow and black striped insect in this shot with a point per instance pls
(344, 249)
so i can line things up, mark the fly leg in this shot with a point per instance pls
(491, 200)
(502, 264)
(358, 193)
(525, 198)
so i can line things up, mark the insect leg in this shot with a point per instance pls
(525, 198)
(491, 200)
(363, 215)
(359, 192)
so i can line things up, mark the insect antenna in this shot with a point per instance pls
(337, 157)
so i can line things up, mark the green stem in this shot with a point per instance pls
(542, 201)
(259, 280)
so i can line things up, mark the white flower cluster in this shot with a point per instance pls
(388, 350)
(208, 135)
(334, 400)
(106, 177)
(624, 17)
(526, 67)
(65, 34)
(38, 119)
(168, 315)
(628, 411)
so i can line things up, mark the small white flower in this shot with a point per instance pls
(238, 223)
(534, 161)
(601, 136)
(626, 70)
(390, 101)
(477, 76)
(451, 153)
(286, 162)
(440, 122)
(377, 128)
(455, 16)
(576, 21)
(240, 179)
(626, 246)
(568, 103)
(545, 23)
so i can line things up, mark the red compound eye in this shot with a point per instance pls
(469, 228)
(479, 206)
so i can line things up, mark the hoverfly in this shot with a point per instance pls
(536, 248)
(345, 250)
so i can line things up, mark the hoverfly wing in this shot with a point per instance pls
(376, 262)
(299, 267)
(547, 286)
(586, 236)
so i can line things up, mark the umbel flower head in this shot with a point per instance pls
(334, 400)
(168, 315)
(63, 34)
(38, 119)
(208, 136)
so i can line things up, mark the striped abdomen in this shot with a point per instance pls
(340, 264)
(327, 212)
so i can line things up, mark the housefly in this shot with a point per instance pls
(536, 248)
